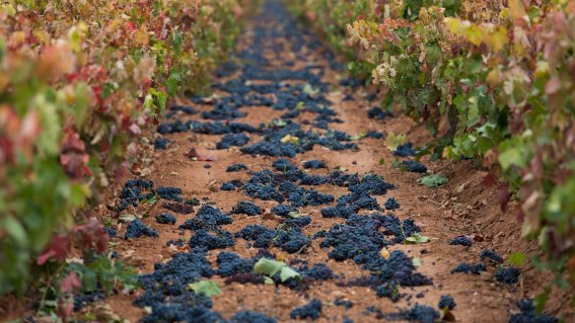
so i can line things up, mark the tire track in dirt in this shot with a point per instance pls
(278, 66)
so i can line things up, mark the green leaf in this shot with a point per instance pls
(392, 141)
(310, 90)
(206, 287)
(268, 281)
(382, 162)
(511, 153)
(416, 262)
(270, 268)
(287, 273)
(416, 238)
(16, 230)
(541, 299)
(294, 215)
(433, 180)
(279, 122)
(359, 136)
(517, 259)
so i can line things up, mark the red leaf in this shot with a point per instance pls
(73, 155)
(70, 283)
(65, 309)
(57, 249)
(503, 196)
(489, 180)
(193, 153)
(92, 236)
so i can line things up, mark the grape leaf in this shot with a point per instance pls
(206, 287)
(433, 180)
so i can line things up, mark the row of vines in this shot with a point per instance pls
(79, 83)
(493, 80)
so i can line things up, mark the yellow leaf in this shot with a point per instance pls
(290, 139)
(8, 8)
(497, 39)
(384, 253)
(473, 34)
(280, 256)
(493, 78)
(453, 25)
(517, 10)
(393, 141)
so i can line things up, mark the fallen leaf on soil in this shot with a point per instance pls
(416, 238)
(384, 253)
(393, 141)
(433, 180)
(214, 186)
(416, 262)
(196, 155)
(104, 313)
(206, 287)
(290, 139)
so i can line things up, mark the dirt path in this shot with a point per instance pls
(285, 95)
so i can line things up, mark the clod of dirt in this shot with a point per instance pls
(181, 208)
(193, 153)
